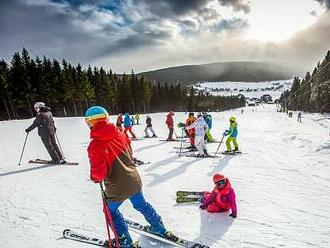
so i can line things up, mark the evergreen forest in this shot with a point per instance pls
(69, 90)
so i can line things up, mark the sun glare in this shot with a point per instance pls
(279, 20)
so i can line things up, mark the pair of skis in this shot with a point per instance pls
(142, 229)
(189, 196)
(44, 161)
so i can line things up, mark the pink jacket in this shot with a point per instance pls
(224, 199)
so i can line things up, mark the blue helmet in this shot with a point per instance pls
(96, 114)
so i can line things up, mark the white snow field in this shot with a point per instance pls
(248, 89)
(282, 184)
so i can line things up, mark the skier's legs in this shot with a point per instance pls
(146, 131)
(118, 220)
(46, 140)
(213, 208)
(199, 145)
(149, 213)
(57, 149)
(235, 143)
(131, 132)
(170, 134)
(152, 131)
(209, 136)
(229, 139)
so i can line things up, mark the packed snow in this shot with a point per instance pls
(282, 184)
(248, 89)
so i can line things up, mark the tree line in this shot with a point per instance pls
(311, 93)
(69, 90)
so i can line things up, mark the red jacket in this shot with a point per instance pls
(169, 121)
(106, 145)
(223, 199)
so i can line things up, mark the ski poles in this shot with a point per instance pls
(223, 136)
(108, 219)
(20, 160)
(59, 144)
(181, 142)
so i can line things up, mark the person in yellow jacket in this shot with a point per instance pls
(232, 132)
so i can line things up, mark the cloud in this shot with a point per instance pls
(326, 3)
(237, 5)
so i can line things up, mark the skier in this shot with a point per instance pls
(137, 118)
(232, 132)
(128, 123)
(200, 127)
(46, 129)
(299, 117)
(208, 118)
(149, 127)
(112, 161)
(119, 122)
(191, 132)
(222, 198)
(170, 125)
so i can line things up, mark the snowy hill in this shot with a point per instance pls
(282, 184)
(248, 89)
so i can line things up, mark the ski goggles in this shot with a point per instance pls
(221, 182)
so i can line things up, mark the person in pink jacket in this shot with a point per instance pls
(222, 198)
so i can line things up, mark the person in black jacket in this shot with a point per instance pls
(149, 126)
(46, 129)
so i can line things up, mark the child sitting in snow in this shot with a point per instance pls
(222, 198)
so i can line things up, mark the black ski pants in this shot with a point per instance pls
(52, 148)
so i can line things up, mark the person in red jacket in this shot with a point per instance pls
(119, 122)
(111, 160)
(170, 125)
(222, 198)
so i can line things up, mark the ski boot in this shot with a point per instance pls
(205, 152)
(201, 155)
(227, 152)
(160, 230)
(125, 241)
(154, 136)
(236, 150)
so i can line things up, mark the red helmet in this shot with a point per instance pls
(218, 177)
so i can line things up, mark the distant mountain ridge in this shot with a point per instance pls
(222, 71)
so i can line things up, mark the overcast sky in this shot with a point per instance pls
(151, 34)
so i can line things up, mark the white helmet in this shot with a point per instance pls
(39, 105)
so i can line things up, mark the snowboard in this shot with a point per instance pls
(69, 234)
(44, 161)
(142, 229)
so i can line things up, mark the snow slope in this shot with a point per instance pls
(248, 89)
(282, 183)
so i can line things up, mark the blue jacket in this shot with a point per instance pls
(208, 120)
(128, 121)
(232, 132)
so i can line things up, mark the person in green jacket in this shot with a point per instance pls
(232, 132)
(137, 118)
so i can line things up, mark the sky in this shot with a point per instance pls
(143, 35)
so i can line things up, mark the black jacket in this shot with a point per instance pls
(44, 122)
(148, 121)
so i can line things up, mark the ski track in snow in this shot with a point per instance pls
(282, 184)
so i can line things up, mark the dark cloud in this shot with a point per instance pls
(326, 3)
(237, 5)
(174, 8)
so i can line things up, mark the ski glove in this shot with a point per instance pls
(27, 130)
(233, 215)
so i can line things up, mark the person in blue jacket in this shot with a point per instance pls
(128, 123)
(208, 119)
(232, 132)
